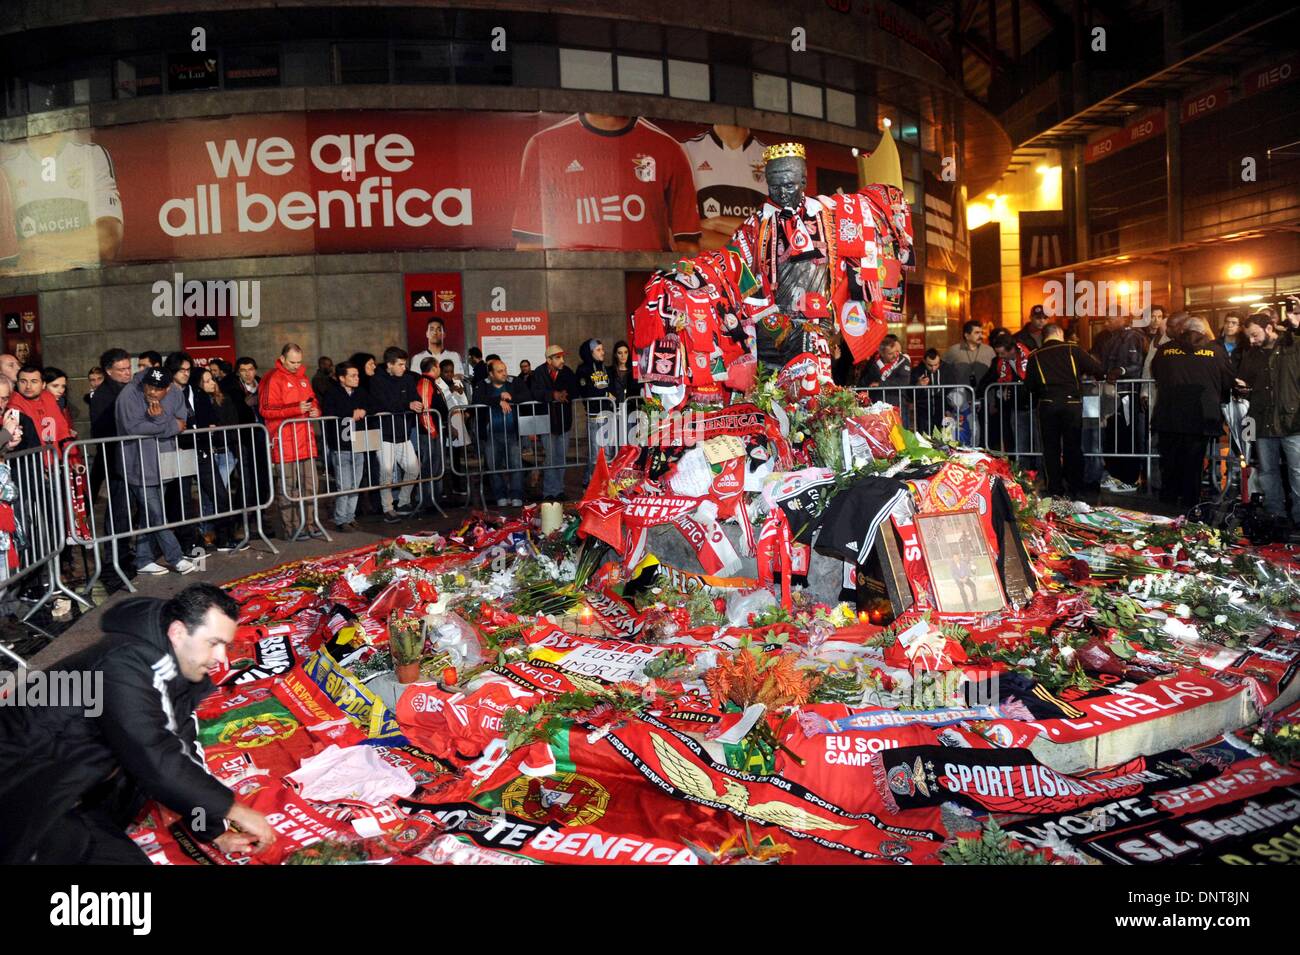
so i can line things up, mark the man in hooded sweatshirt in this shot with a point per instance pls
(74, 773)
(595, 385)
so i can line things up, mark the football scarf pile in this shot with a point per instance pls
(582, 699)
(626, 734)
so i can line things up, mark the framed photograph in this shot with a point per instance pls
(962, 569)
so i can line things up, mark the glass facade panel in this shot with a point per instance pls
(771, 92)
(422, 63)
(251, 66)
(806, 100)
(641, 74)
(688, 80)
(361, 62)
(841, 107)
(479, 64)
(586, 70)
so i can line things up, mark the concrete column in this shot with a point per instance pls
(1174, 169)
(1076, 207)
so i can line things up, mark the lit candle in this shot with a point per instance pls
(552, 517)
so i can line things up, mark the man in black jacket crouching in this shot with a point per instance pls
(74, 774)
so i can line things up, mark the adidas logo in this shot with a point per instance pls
(422, 302)
(574, 166)
(208, 331)
(704, 166)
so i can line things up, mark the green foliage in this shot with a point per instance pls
(993, 847)
(379, 662)
(327, 852)
(770, 615)
(839, 687)
(405, 639)
(1278, 738)
(541, 595)
(546, 719)
(932, 690)
(1124, 614)
(1041, 659)
(664, 664)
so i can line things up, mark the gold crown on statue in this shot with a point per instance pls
(784, 151)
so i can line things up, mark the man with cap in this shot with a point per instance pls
(1031, 335)
(556, 385)
(153, 411)
(595, 387)
(1053, 375)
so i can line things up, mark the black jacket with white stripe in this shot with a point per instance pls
(142, 744)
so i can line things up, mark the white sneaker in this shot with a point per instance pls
(516, 502)
(1121, 488)
(184, 566)
(503, 502)
(152, 568)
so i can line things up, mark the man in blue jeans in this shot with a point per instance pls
(1270, 371)
(505, 469)
(149, 409)
(556, 385)
(345, 402)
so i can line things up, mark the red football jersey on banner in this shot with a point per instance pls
(585, 188)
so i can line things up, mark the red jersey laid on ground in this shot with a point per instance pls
(585, 188)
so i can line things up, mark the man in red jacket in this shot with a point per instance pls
(286, 396)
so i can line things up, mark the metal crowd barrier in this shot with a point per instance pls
(1116, 423)
(352, 457)
(31, 488)
(498, 447)
(629, 409)
(924, 408)
(156, 485)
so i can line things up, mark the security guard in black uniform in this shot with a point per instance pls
(1053, 376)
(1194, 379)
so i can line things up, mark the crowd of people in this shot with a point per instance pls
(396, 430)
(1164, 388)
(177, 479)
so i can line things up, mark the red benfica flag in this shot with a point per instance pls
(602, 516)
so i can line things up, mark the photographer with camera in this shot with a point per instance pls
(1269, 375)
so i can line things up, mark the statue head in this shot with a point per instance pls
(786, 173)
